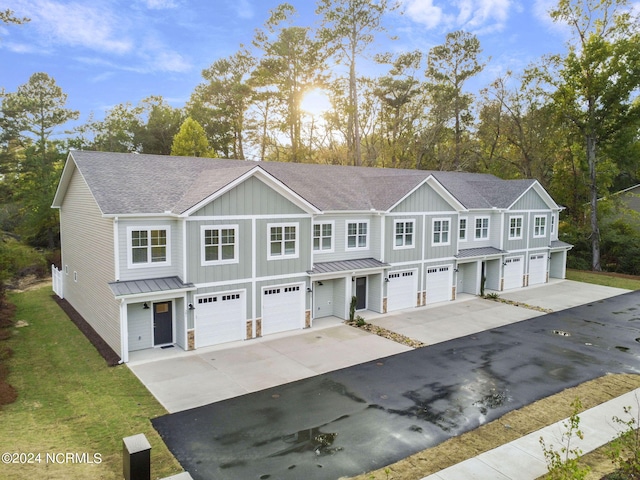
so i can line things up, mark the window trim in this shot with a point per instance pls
(333, 237)
(475, 230)
(542, 227)
(346, 235)
(552, 228)
(404, 245)
(514, 236)
(462, 238)
(440, 243)
(203, 261)
(283, 255)
(148, 263)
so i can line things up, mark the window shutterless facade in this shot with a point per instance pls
(462, 229)
(482, 228)
(539, 226)
(358, 235)
(404, 234)
(219, 244)
(282, 240)
(441, 227)
(149, 246)
(515, 228)
(323, 237)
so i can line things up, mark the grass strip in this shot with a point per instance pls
(70, 401)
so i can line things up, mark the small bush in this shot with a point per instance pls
(624, 451)
(360, 322)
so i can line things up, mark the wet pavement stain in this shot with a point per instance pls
(361, 418)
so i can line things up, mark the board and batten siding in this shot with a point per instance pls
(403, 254)
(423, 199)
(87, 245)
(530, 201)
(251, 197)
(441, 251)
(199, 273)
(152, 271)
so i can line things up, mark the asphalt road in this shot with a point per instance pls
(364, 417)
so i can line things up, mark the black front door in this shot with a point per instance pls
(162, 323)
(361, 293)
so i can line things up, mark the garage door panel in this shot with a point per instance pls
(439, 283)
(513, 272)
(219, 318)
(282, 308)
(402, 289)
(537, 269)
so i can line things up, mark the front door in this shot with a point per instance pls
(162, 323)
(361, 293)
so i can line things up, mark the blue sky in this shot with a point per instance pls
(106, 52)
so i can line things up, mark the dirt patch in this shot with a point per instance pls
(110, 356)
(509, 427)
(28, 282)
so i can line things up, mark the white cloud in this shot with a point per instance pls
(243, 8)
(160, 4)
(423, 11)
(473, 15)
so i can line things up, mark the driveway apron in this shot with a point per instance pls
(361, 418)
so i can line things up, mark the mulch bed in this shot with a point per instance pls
(109, 355)
(388, 334)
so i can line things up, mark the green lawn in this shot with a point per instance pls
(69, 401)
(610, 280)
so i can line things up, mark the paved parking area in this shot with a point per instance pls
(183, 380)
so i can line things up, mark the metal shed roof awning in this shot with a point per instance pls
(480, 252)
(559, 244)
(149, 286)
(347, 266)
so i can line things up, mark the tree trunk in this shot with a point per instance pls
(593, 190)
(357, 154)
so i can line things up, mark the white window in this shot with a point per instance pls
(441, 231)
(358, 235)
(539, 226)
(148, 246)
(404, 233)
(515, 228)
(482, 228)
(283, 240)
(323, 237)
(219, 244)
(462, 229)
(553, 224)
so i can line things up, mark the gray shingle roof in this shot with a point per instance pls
(125, 183)
(150, 285)
(346, 266)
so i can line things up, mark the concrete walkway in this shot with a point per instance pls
(523, 459)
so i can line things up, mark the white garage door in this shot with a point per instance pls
(402, 290)
(537, 268)
(513, 271)
(439, 284)
(219, 318)
(282, 308)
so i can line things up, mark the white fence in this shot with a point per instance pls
(56, 280)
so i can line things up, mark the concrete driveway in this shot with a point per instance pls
(372, 414)
(183, 380)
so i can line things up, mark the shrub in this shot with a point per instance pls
(564, 465)
(624, 451)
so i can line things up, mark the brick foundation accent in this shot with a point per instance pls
(307, 319)
(453, 293)
(526, 280)
(418, 299)
(384, 305)
(191, 340)
(424, 298)
(249, 329)
(258, 327)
